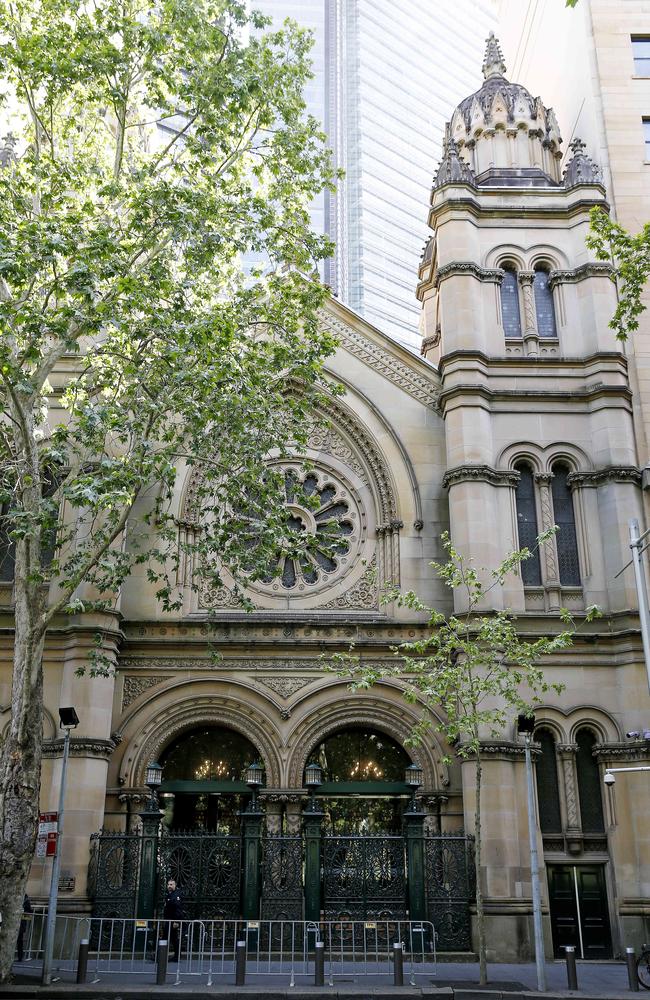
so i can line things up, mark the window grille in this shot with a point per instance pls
(544, 308)
(548, 794)
(641, 55)
(531, 573)
(564, 514)
(510, 304)
(591, 803)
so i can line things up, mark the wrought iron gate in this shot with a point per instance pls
(450, 887)
(113, 873)
(364, 878)
(207, 868)
(282, 878)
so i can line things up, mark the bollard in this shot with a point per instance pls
(398, 963)
(161, 963)
(82, 961)
(240, 964)
(632, 977)
(319, 964)
(571, 974)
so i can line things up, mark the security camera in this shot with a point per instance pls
(633, 734)
(609, 778)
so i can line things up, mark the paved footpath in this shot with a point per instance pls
(596, 980)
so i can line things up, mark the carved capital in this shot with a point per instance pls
(611, 474)
(458, 267)
(80, 747)
(569, 276)
(525, 278)
(480, 473)
(570, 749)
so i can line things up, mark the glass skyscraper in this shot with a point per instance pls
(387, 74)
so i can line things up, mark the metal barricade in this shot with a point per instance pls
(204, 951)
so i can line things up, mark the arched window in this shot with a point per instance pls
(548, 795)
(591, 803)
(544, 308)
(510, 302)
(531, 573)
(563, 512)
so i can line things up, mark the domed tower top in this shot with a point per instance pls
(504, 134)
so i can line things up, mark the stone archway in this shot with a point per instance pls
(393, 719)
(183, 716)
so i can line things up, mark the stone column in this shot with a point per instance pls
(549, 550)
(567, 754)
(530, 334)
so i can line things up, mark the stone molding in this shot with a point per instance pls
(569, 276)
(612, 474)
(633, 751)
(135, 686)
(499, 748)
(80, 747)
(480, 473)
(380, 360)
(457, 267)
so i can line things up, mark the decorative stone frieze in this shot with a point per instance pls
(570, 276)
(135, 686)
(80, 747)
(364, 594)
(632, 750)
(480, 473)
(500, 748)
(456, 267)
(285, 685)
(612, 474)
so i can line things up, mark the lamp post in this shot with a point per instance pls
(414, 817)
(150, 817)
(68, 719)
(252, 823)
(312, 819)
(526, 727)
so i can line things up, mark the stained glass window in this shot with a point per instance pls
(591, 803)
(548, 795)
(564, 515)
(531, 573)
(544, 308)
(510, 303)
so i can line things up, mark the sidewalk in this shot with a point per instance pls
(457, 980)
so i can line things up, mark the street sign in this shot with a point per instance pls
(48, 825)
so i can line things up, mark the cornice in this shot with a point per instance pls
(632, 751)
(464, 267)
(583, 395)
(501, 748)
(518, 209)
(384, 362)
(612, 474)
(599, 359)
(569, 276)
(479, 473)
(80, 747)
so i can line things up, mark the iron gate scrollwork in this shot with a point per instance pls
(364, 878)
(450, 887)
(282, 878)
(207, 870)
(113, 873)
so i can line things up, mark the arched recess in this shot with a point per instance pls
(394, 720)
(171, 721)
(600, 722)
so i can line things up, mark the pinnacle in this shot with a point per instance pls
(493, 63)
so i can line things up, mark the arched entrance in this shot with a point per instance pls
(203, 787)
(363, 789)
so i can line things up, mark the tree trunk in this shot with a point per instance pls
(20, 760)
(480, 916)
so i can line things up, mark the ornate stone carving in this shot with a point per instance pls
(135, 686)
(285, 686)
(79, 747)
(612, 474)
(581, 169)
(500, 748)
(456, 267)
(452, 169)
(480, 473)
(419, 386)
(569, 276)
(543, 480)
(364, 594)
(622, 751)
(567, 753)
(328, 440)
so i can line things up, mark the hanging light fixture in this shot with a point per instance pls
(413, 778)
(313, 780)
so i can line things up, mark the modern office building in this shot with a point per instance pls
(383, 97)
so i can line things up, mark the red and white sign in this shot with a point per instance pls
(48, 825)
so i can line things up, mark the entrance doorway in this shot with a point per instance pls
(579, 915)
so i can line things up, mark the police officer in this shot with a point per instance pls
(173, 912)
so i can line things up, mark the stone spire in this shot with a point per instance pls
(493, 63)
(581, 169)
(452, 169)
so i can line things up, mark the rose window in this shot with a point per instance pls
(321, 508)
